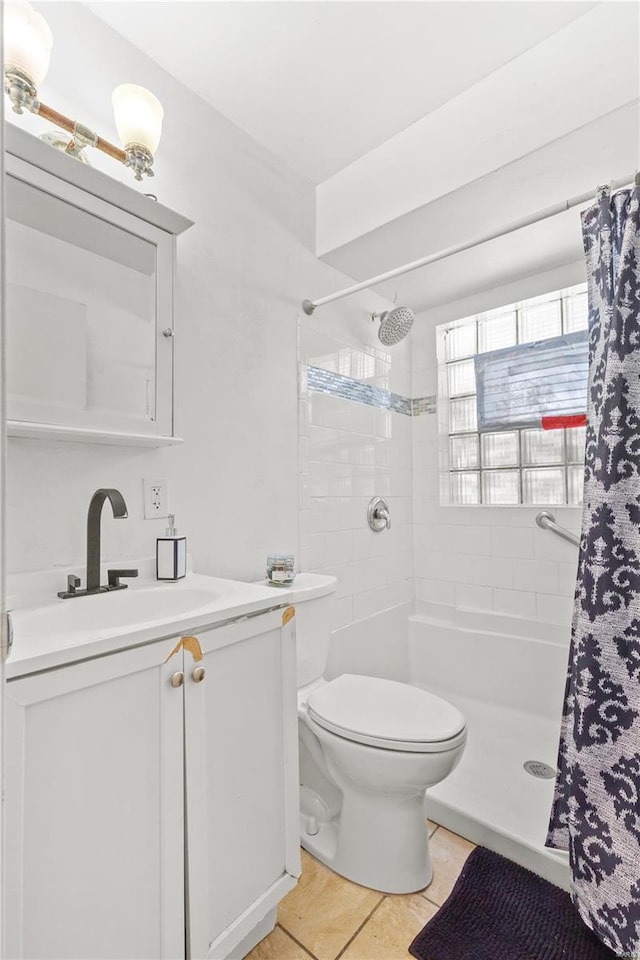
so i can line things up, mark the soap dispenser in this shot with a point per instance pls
(171, 554)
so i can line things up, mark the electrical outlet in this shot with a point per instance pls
(156, 499)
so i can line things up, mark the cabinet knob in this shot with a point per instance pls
(198, 675)
(177, 679)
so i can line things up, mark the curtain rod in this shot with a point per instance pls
(310, 305)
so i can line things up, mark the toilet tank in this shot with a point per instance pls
(312, 595)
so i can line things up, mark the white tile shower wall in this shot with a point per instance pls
(242, 272)
(349, 452)
(485, 558)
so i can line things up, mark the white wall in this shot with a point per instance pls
(480, 557)
(243, 270)
(350, 452)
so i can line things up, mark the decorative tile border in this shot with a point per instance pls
(325, 381)
(421, 405)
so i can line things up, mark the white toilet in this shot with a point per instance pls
(369, 751)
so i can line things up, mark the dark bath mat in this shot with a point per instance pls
(500, 911)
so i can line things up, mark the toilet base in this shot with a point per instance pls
(376, 844)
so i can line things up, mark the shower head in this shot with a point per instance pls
(394, 324)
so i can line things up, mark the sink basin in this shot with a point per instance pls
(119, 609)
(58, 632)
(72, 622)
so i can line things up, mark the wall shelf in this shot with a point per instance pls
(27, 430)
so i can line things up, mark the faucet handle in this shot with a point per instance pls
(114, 578)
(73, 583)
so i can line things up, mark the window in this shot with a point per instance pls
(515, 461)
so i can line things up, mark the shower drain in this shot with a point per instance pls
(539, 769)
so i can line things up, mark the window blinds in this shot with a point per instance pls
(518, 387)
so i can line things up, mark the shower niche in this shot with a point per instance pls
(90, 268)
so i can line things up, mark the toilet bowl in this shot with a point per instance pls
(382, 744)
(370, 748)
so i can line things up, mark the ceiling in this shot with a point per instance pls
(422, 124)
(320, 84)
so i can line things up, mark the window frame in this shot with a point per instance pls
(567, 297)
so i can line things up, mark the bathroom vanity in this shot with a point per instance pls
(151, 772)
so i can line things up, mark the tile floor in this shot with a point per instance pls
(327, 917)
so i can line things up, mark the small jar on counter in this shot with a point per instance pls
(281, 569)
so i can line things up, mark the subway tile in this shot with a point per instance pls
(367, 543)
(536, 576)
(342, 612)
(325, 549)
(554, 609)
(435, 591)
(433, 538)
(426, 482)
(304, 491)
(427, 510)
(401, 509)
(375, 601)
(303, 454)
(488, 571)
(569, 517)
(318, 349)
(304, 517)
(382, 423)
(303, 417)
(477, 516)
(350, 577)
(473, 597)
(549, 546)
(513, 542)
(567, 576)
(515, 603)
(472, 540)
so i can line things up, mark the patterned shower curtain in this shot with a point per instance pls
(596, 808)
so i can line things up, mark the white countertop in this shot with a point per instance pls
(61, 632)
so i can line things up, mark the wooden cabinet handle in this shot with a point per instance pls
(177, 679)
(198, 675)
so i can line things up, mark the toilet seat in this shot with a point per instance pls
(386, 714)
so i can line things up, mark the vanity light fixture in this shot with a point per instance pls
(138, 113)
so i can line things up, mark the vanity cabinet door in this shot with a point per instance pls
(94, 798)
(241, 755)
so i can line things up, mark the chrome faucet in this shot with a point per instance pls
(378, 515)
(94, 515)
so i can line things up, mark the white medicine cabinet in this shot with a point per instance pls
(89, 302)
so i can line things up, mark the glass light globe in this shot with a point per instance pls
(138, 115)
(27, 40)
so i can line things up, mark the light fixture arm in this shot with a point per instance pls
(23, 96)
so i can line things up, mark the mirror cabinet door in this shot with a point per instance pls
(85, 313)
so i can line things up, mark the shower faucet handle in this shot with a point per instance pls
(378, 515)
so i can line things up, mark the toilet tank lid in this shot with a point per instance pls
(385, 710)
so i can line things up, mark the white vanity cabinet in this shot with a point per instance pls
(153, 796)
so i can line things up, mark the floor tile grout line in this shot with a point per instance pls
(360, 928)
(295, 940)
(429, 900)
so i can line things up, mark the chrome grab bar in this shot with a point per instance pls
(547, 521)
